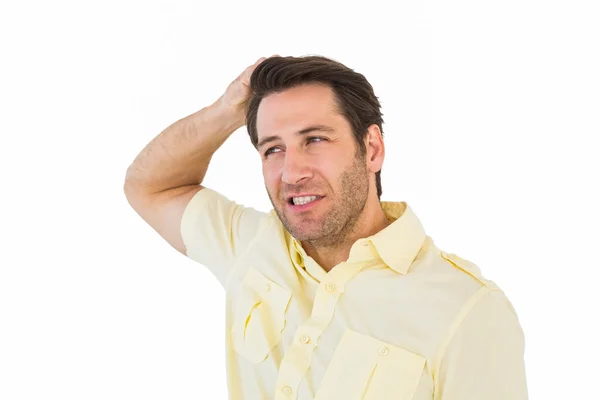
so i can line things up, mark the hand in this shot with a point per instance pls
(238, 92)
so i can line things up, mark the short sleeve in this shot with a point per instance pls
(216, 231)
(484, 358)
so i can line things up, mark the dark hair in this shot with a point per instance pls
(354, 95)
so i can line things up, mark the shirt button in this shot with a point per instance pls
(330, 287)
(305, 339)
(287, 390)
(384, 351)
(365, 244)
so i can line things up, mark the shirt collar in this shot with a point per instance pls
(397, 245)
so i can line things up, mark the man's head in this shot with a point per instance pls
(318, 128)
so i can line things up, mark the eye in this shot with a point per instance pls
(315, 137)
(269, 151)
(309, 139)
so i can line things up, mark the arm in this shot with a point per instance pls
(167, 173)
(484, 356)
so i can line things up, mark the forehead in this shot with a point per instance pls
(293, 109)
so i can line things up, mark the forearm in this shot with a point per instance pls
(180, 154)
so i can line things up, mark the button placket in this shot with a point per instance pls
(297, 359)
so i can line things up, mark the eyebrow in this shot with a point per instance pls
(312, 128)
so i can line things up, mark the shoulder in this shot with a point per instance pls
(450, 285)
(467, 268)
(456, 278)
(485, 293)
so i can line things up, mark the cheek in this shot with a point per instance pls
(330, 168)
(271, 175)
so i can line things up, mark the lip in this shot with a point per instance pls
(304, 207)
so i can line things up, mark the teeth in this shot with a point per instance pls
(303, 200)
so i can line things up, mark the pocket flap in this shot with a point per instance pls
(267, 289)
(259, 318)
(364, 367)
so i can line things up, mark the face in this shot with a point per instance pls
(307, 150)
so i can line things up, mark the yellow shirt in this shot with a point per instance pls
(400, 319)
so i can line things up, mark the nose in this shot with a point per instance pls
(295, 168)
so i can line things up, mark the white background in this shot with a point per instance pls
(491, 128)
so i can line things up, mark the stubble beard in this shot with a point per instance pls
(344, 213)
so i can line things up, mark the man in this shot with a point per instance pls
(334, 294)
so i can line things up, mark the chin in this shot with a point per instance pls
(304, 234)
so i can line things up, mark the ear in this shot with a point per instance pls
(375, 148)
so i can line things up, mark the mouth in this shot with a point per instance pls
(303, 203)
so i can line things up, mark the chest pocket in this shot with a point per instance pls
(259, 316)
(365, 368)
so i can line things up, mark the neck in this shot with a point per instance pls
(328, 255)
